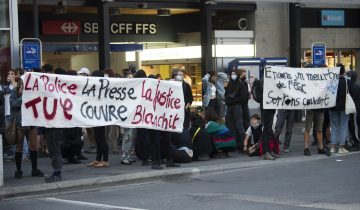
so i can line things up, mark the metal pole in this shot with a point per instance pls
(206, 37)
(36, 18)
(104, 35)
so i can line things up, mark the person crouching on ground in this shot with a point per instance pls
(221, 137)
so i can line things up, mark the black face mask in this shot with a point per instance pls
(243, 79)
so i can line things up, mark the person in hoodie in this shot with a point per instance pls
(236, 94)
(355, 87)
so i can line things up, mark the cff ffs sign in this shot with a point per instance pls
(122, 28)
(318, 51)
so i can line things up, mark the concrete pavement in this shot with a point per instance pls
(79, 177)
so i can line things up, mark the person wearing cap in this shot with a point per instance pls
(84, 72)
(89, 131)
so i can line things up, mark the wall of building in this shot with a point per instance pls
(272, 29)
(90, 61)
(333, 37)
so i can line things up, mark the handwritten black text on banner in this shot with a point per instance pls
(62, 101)
(300, 88)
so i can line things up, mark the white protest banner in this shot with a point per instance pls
(300, 88)
(63, 101)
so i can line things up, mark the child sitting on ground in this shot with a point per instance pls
(255, 131)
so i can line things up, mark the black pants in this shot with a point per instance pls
(246, 116)
(187, 119)
(267, 116)
(234, 122)
(102, 149)
(154, 140)
(142, 144)
(165, 145)
(53, 138)
(69, 151)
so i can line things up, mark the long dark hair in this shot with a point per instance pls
(211, 115)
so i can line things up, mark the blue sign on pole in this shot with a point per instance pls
(319, 54)
(31, 54)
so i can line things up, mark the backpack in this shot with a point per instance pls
(257, 90)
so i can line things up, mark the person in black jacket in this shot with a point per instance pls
(245, 106)
(267, 116)
(355, 87)
(201, 142)
(338, 118)
(236, 94)
(188, 97)
(72, 144)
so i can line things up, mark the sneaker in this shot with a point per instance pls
(53, 178)
(125, 162)
(342, 151)
(332, 150)
(324, 151)
(307, 152)
(38, 173)
(267, 156)
(286, 150)
(18, 174)
(274, 155)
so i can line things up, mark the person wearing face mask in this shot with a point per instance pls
(178, 75)
(245, 105)
(214, 91)
(236, 94)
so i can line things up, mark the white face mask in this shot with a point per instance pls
(179, 78)
(233, 77)
(255, 125)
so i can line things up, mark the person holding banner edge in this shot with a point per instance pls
(315, 118)
(178, 75)
(102, 148)
(15, 103)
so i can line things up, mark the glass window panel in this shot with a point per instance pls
(4, 14)
(5, 59)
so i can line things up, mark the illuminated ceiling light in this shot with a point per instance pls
(163, 12)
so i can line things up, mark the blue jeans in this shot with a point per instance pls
(339, 127)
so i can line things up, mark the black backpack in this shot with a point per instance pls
(257, 90)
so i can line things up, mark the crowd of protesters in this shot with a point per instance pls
(222, 125)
